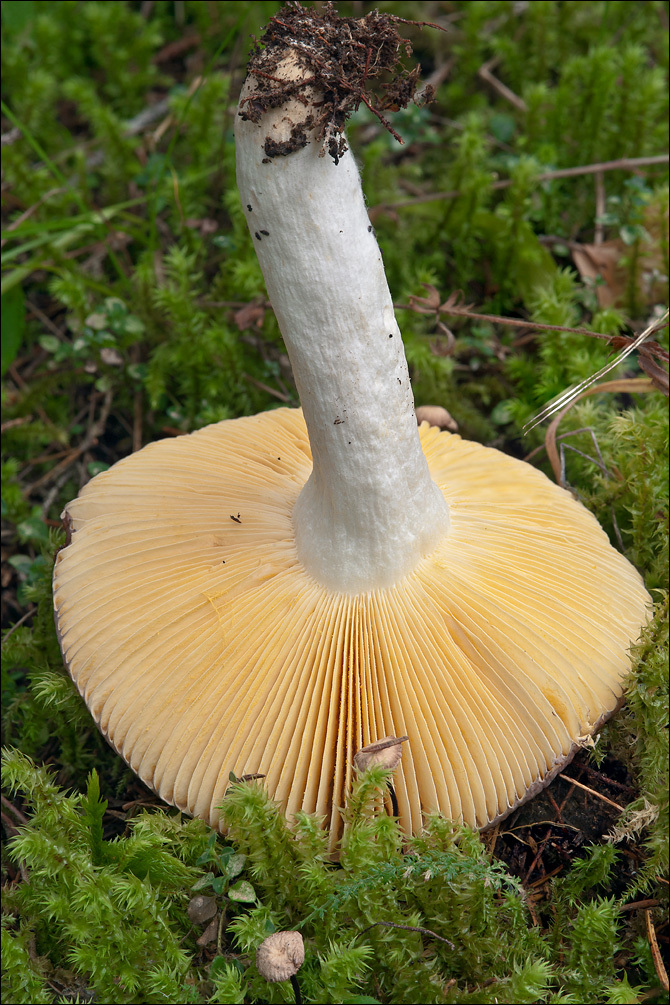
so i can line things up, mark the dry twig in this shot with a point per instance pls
(407, 928)
(13, 423)
(639, 905)
(485, 72)
(598, 795)
(96, 430)
(538, 855)
(627, 385)
(21, 817)
(454, 305)
(624, 164)
(266, 387)
(660, 380)
(17, 624)
(655, 952)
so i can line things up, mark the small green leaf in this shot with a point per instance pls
(631, 233)
(235, 865)
(33, 529)
(225, 242)
(137, 371)
(204, 881)
(217, 967)
(243, 892)
(49, 343)
(133, 326)
(232, 962)
(21, 563)
(219, 884)
(210, 854)
(96, 321)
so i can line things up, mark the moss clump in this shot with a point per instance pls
(431, 919)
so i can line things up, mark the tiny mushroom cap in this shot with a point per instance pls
(269, 594)
(436, 415)
(280, 956)
(384, 753)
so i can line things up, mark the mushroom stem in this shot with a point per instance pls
(394, 801)
(296, 990)
(370, 511)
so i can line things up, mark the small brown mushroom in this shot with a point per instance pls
(384, 753)
(435, 415)
(280, 956)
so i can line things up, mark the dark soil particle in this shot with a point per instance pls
(344, 59)
(297, 141)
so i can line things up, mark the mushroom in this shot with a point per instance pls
(269, 594)
(384, 753)
(280, 956)
(436, 415)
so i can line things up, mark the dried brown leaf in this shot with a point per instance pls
(251, 315)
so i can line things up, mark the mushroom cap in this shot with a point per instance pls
(202, 646)
(436, 415)
(384, 753)
(280, 956)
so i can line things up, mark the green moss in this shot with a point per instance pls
(434, 921)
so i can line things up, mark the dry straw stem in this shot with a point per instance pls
(485, 72)
(598, 795)
(648, 351)
(572, 394)
(655, 952)
(636, 822)
(454, 305)
(627, 385)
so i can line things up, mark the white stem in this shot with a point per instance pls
(370, 510)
